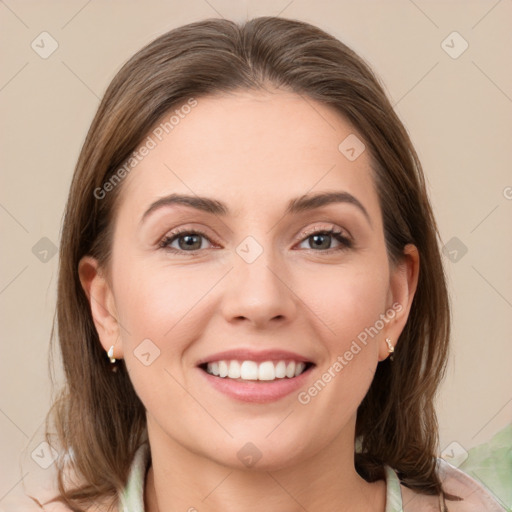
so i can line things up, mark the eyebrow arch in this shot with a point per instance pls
(297, 205)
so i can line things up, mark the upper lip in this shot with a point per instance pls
(242, 354)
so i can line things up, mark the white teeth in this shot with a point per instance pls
(281, 370)
(223, 369)
(251, 370)
(299, 368)
(266, 371)
(234, 370)
(214, 367)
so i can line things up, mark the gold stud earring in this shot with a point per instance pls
(391, 348)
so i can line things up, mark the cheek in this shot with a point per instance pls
(163, 311)
(162, 314)
(348, 300)
(351, 304)
(156, 300)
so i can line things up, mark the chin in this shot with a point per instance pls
(261, 454)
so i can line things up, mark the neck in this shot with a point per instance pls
(180, 480)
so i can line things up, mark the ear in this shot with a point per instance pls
(101, 301)
(402, 287)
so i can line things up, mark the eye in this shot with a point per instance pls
(187, 241)
(191, 241)
(322, 240)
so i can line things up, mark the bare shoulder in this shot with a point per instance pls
(33, 491)
(37, 489)
(20, 502)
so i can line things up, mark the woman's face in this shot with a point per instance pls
(254, 278)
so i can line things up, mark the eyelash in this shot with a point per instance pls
(345, 242)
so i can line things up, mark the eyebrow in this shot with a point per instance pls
(297, 205)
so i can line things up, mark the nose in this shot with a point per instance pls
(259, 292)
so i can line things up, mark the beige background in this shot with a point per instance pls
(457, 110)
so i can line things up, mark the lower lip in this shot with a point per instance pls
(257, 391)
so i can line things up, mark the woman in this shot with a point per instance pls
(250, 287)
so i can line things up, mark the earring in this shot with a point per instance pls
(391, 349)
(110, 354)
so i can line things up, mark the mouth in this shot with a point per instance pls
(254, 371)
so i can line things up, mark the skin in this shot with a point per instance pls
(253, 151)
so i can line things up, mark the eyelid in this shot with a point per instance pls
(325, 227)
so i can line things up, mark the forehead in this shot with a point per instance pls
(250, 148)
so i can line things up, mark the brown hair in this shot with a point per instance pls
(98, 415)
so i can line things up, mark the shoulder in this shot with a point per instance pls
(36, 488)
(39, 485)
(474, 497)
(483, 480)
(31, 495)
(19, 502)
(37, 501)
